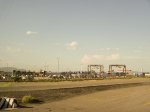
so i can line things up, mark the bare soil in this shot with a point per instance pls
(132, 99)
(78, 96)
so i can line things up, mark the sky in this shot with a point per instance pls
(37, 34)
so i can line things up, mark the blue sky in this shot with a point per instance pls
(35, 33)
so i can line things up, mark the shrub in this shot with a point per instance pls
(30, 78)
(16, 79)
(30, 99)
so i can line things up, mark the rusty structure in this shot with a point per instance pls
(118, 66)
(98, 67)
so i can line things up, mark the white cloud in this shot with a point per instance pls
(132, 57)
(98, 57)
(109, 49)
(101, 49)
(137, 51)
(56, 44)
(31, 33)
(117, 49)
(72, 45)
(13, 50)
(113, 57)
(87, 59)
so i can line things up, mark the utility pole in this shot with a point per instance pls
(141, 69)
(81, 69)
(58, 63)
(7, 65)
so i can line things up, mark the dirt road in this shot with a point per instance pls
(132, 99)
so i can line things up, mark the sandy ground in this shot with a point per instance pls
(132, 99)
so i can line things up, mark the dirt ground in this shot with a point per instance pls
(132, 99)
(117, 95)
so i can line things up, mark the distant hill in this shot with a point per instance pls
(10, 69)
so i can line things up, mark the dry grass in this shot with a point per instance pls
(5, 84)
